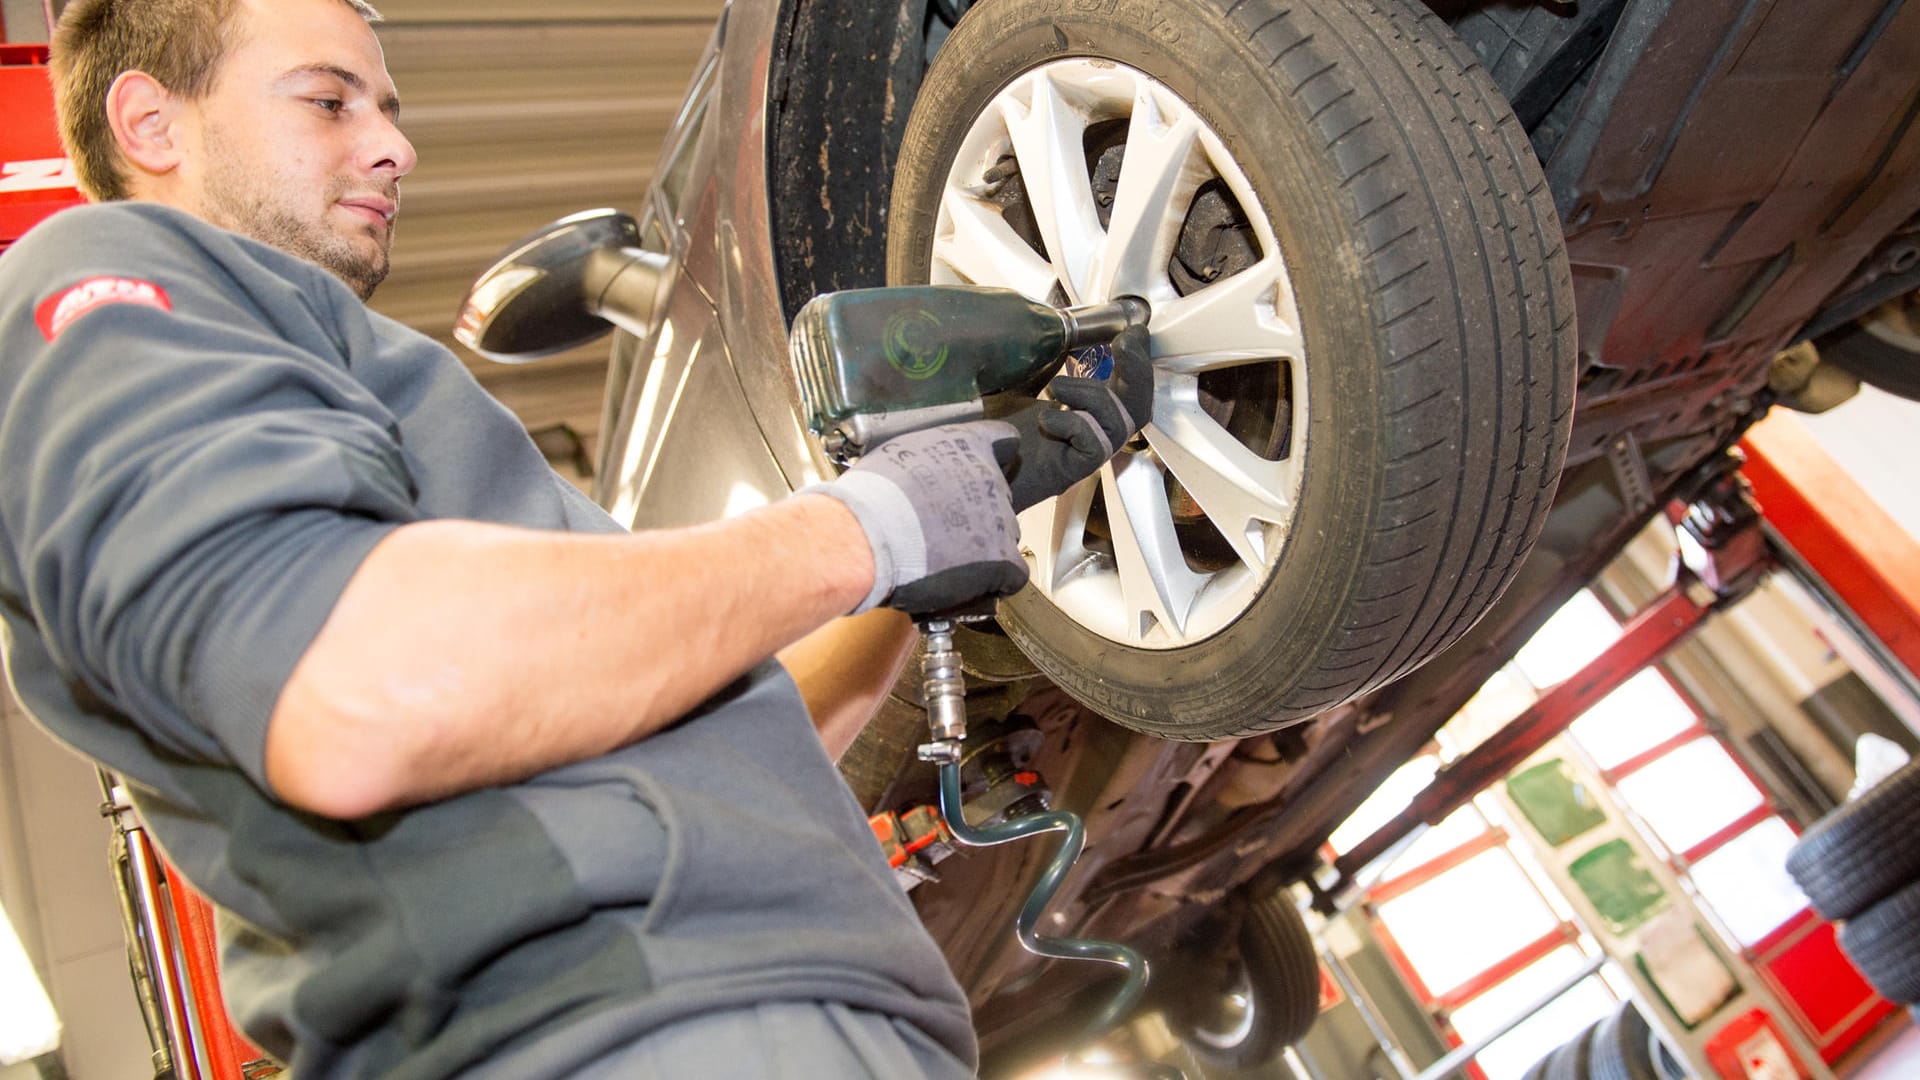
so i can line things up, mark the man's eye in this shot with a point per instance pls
(332, 105)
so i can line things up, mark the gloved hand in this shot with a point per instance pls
(936, 510)
(1059, 447)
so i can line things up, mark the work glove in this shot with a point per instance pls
(1059, 447)
(936, 510)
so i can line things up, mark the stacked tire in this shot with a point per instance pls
(1621, 1047)
(1860, 867)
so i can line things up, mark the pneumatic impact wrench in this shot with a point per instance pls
(876, 363)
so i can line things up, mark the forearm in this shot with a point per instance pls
(462, 655)
(845, 670)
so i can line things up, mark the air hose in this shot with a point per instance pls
(1026, 925)
(943, 690)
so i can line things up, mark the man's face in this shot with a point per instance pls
(297, 143)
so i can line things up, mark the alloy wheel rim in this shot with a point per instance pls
(1231, 1022)
(1206, 497)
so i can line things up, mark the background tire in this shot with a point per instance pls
(1889, 359)
(1572, 1061)
(1622, 1047)
(1885, 946)
(1863, 850)
(1435, 306)
(1665, 1064)
(1279, 974)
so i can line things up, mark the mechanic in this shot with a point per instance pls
(481, 783)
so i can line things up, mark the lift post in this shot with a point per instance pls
(1723, 555)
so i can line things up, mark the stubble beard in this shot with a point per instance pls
(236, 200)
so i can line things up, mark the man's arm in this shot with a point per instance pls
(462, 655)
(218, 531)
(845, 670)
(509, 652)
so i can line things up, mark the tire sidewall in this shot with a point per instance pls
(1199, 54)
(1277, 956)
(1874, 361)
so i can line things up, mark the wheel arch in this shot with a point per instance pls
(841, 82)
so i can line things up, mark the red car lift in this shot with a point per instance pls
(172, 954)
(1864, 560)
(1723, 555)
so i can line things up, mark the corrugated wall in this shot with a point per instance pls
(524, 112)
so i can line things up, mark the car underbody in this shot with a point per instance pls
(1731, 179)
(1705, 235)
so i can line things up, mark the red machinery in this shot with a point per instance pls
(36, 178)
(171, 951)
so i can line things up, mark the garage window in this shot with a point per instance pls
(1522, 941)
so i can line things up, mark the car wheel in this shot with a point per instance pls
(1883, 946)
(1362, 325)
(1881, 349)
(1863, 850)
(1265, 997)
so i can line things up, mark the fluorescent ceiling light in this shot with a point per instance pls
(28, 1026)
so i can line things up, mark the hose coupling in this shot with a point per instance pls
(942, 684)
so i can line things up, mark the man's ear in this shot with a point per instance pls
(144, 117)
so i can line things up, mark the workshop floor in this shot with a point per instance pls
(1889, 1057)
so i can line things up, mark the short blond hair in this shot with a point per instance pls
(181, 43)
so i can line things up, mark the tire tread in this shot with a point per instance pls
(1863, 850)
(1460, 296)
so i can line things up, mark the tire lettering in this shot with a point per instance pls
(1076, 7)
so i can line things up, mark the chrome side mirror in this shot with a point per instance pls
(563, 286)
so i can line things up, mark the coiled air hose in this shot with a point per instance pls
(1027, 924)
(944, 690)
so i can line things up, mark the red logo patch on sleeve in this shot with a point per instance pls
(57, 312)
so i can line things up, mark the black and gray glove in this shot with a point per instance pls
(935, 507)
(1059, 447)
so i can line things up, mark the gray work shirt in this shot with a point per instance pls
(201, 439)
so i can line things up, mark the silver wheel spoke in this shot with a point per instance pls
(1158, 176)
(1240, 491)
(1140, 589)
(1054, 533)
(1046, 138)
(1155, 579)
(985, 250)
(1236, 320)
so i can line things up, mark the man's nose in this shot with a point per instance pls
(390, 151)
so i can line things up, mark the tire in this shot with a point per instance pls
(1883, 945)
(1415, 244)
(1277, 972)
(1665, 1065)
(1880, 350)
(1622, 1047)
(1863, 850)
(1572, 1061)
